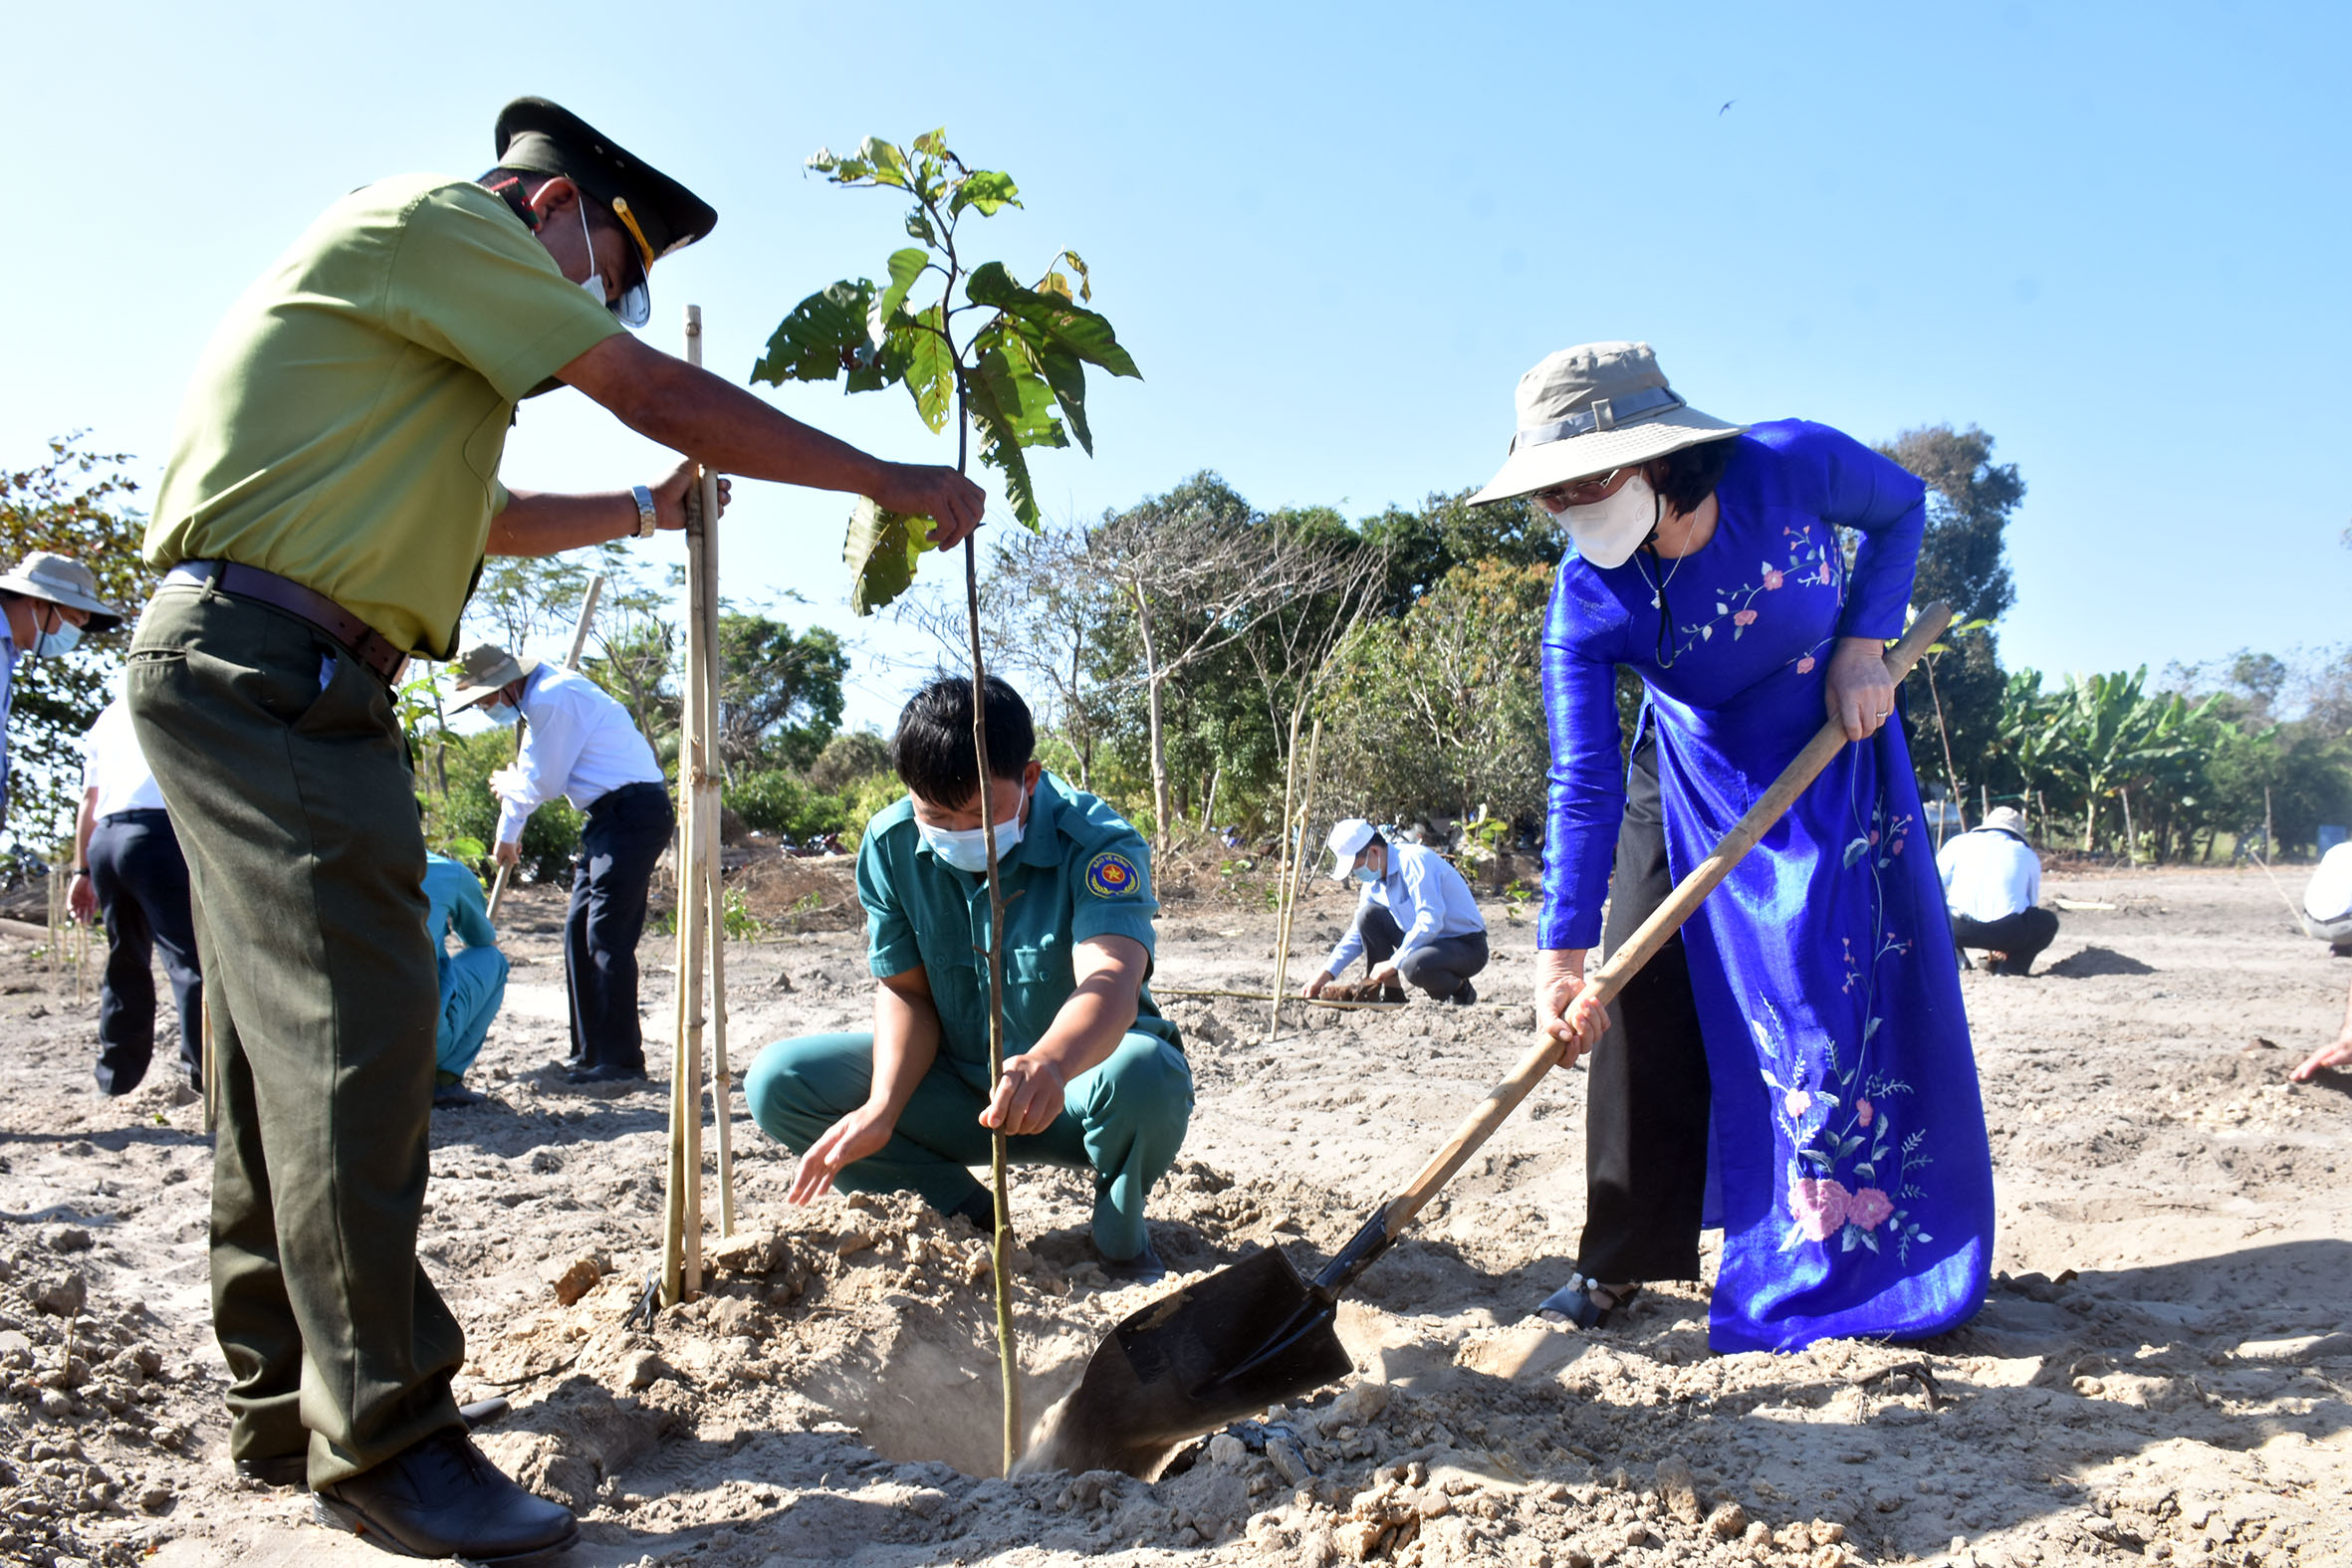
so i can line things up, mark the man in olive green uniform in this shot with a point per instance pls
(1095, 1078)
(331, 492)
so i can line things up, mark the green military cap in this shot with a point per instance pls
(660, 215)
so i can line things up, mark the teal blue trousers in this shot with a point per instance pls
(1124, 1121)
(473, 985)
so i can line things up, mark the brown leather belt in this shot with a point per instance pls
(364, 643)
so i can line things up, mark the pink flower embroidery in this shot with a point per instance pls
(1797, 1102)
(1746, 617)
(1825, 571)
(1898, 847)
(1771, 579)
(1868, 1206)
(1819, 1207)
(1865, 1112)
(1805, 666)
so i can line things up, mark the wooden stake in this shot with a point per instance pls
(1292, 878)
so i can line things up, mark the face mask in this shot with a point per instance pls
(593, 283)
(968, 850)
(501, 714)
(49, 643)
(1366, 875)
(1610, 531)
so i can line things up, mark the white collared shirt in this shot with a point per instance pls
(1426, 895)
(1989, 875)
(114, 766)
(2329, 897)
(581, 745)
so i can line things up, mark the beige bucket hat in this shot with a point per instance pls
(1592, 408)
(484, 668)
(61, 580)
(2008, 819)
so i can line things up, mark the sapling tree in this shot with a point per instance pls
(1003, 362)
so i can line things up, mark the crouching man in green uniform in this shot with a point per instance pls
(1095, 1078)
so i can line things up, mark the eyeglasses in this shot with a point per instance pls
(1580, 492)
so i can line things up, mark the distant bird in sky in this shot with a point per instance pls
(1727, 103)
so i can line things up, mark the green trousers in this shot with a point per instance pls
(288, 781)
(1124, 1121)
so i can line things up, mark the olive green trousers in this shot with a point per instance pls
(289, 782)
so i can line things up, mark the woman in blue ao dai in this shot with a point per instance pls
(1842, 1119)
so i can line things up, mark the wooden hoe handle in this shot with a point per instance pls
(1644, 943)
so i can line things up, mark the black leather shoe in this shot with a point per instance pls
(456, 1097)
(607, 1073)
(441, 1499)
(1465, 997)
(280, 1469)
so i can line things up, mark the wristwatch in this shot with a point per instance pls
(647, 518)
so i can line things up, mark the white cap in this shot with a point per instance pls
(1348, 840)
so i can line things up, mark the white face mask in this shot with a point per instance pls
(968, 850)
(503, 714)
(593, 283)
(1610, 530)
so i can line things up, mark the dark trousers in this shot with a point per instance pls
(625, 833)
(141, 883)
(1440, 968)
(288, 781)
(1645, 1129)
(2021, 936)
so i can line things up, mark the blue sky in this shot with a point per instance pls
(1333, 236)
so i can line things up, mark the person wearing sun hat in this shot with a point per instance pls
(1992, 887)
(1798, 1054)
(47, 601)
(580, 743)
(331, 492)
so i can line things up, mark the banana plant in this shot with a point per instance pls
(1007, 362)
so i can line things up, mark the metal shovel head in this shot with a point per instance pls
(1245, 1337)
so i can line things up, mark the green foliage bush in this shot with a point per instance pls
(784, 805)
(470, 811)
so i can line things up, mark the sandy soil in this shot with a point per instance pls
(2164, 1371)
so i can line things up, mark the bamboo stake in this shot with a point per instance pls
(681, 1248)
(1292, 880)
(1158, 989)
(715, 917)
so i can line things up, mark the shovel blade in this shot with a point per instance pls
(1245, 1337)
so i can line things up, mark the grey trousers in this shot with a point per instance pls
(1440, 968)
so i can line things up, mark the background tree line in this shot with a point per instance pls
(1181, 652)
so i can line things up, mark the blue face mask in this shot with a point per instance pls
(1366, 875)
(501, 714)
(968, 850)
(56, 640)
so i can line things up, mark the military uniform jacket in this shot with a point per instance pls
(1079, 871)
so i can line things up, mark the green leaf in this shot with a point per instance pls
(986, 189)
(1073, 327)
(930, 369)
(1008, 363)
(934, 142)
(1066, 375)
(824, 336)
(905, 267)
(918, 225)
(888, 163)
(882, 549)
(1000, 448)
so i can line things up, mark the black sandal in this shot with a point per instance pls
(1588, 1304)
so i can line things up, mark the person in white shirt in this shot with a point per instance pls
(1417, 922)
(580, 743)
(2327, 902)
(129, 873)
(1993, 891)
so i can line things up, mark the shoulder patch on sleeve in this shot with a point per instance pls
(1112, 875)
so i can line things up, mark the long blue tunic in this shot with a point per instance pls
(1855, 1178)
